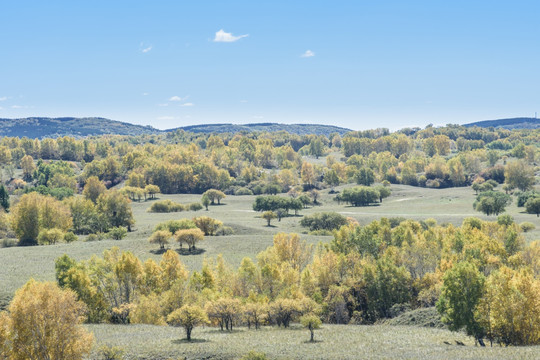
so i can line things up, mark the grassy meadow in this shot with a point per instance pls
(251, 235)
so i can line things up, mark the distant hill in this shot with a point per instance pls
(513, 123)
(299, 129)
(40, 127)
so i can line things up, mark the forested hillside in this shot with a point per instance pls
(276, 230)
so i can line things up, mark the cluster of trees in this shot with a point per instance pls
(481, 276)
(186, 231)
(363, 195)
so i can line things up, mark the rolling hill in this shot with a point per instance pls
(41, 127)
(512, 123)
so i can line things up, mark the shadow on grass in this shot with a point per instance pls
(312, 342)
(159, 251)
(192, 341)
(218, 331)
(184, 252)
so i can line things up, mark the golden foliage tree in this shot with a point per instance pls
(44, 322)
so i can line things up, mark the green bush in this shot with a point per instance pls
(117, 233)
(111, 353)
(527, 226)
(323, 221)
(174, 225)
(243, 191)
(253, 355)
(70, 237)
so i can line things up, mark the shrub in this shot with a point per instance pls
(253, 355)
(111, 352)
(207, 224)
(117, 233)
(224, 231)
(70, 237)
(50, 236)
(174, 225)
(243, 191)
(505, 219)
(195, 206)
(527, 226)
(92, 237)
(166, 206)
(323, 221)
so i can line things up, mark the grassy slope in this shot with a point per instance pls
(333, 342)
(251, 233)
(252, 236)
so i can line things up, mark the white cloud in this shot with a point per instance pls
(3, 98)
(307, 54)
(176, 98)
(166, 118)
(144, 48)
(188, 104)
(145, 94)
(222, 36)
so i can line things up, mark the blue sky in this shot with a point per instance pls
(357, 64)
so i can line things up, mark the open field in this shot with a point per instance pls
(332, 342)
(251, 233)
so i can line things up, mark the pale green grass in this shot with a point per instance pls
(332, 342)
(251, 236)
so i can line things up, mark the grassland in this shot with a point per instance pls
(18, 264)
(332, 342)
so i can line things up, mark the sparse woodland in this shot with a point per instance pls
(482, 274)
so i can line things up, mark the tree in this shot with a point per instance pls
(160, 237)
(152, 190)
(207, 224)
(519, 175)
(225, 311)
(384, 192)
(492, 202)
(323, 221)
(205, 200)
(93, 188)
(116, 209)
(50, 236)
(364, 176)
(35, 212)
(188, 316)
(311, 322)
(4, 197)
(28, 167)
(44, 322)
(533, 206)
(189, 236)
(214, 195)
(269, 216)
(463, 287)
(307, 174)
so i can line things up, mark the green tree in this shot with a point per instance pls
(214, 195)
(463, 287)
(519, 175)
(364, 176)
(533, 206)
(188, 317)
(311, 322)
(4, 197)
(93, 188)
(205, 200)
(115, 209)
(492, 202)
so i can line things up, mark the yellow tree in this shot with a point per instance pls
(45, 323)
(93, 188)
(188, 316)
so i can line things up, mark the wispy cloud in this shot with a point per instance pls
(145, 94)
(177, 98)
(3, 98)
(188, 104)
(165, 104)
(17, 106)
(222, 36)
(144, 48)
(307, 54)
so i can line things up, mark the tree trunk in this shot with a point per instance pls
(312, 333)
(188, 333)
